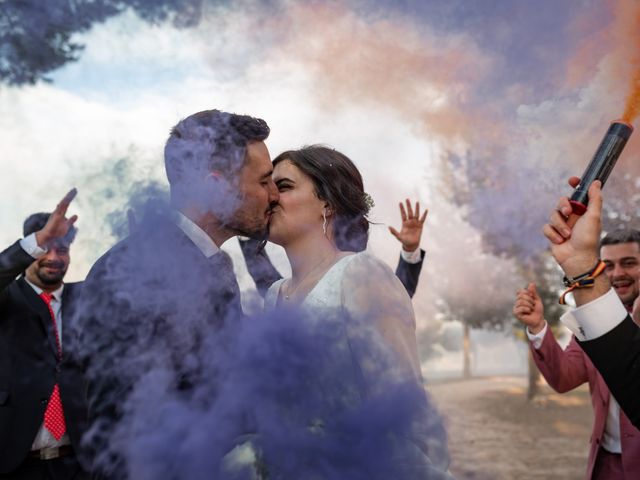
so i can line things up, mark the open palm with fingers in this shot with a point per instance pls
(58, 224)
(412, 224)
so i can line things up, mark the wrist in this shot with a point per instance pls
(579, 264)
(410, 248)
(42, 239)
(537, 328)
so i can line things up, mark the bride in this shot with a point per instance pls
(321, 222)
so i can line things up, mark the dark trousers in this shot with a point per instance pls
(62, 468)
(608, 466)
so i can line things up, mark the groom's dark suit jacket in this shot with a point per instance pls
(149, 301)
(28, 363)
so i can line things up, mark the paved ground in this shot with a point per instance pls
(495, 434)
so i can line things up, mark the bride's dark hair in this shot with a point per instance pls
(338, 182)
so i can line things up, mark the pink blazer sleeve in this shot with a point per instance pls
(563, 370)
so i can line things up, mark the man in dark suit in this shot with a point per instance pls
(264, 274)
(42, 408)
(149, 302)
(601, 323)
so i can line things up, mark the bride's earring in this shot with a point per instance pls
(324, 222)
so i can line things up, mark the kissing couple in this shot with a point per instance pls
(325, 384)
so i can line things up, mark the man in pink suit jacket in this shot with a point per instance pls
(615, 442)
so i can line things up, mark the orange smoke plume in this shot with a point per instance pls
(609, 45)
(632, 108)
(632, 10)
(389, 63)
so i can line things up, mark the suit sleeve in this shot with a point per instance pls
(13, 261)
(616, 355)
(259, 264)
(563, 370)
(409, 273)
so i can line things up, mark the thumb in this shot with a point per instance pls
(72, 220)
(394, 232)
(574, 181)
(532, 289)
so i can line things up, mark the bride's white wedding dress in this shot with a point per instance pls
(369, 294)
(371, 316)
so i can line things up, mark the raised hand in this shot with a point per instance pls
(574, 240)
(528, 308)
(412, 223)
(58, 224)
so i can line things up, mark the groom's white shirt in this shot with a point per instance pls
(197, 235)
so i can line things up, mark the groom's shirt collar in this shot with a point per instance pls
(196, 235)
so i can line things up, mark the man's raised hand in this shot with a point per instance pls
(58, 224)
(528, 308)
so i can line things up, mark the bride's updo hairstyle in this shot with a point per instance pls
(338, 182)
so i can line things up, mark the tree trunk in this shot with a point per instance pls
(466, 352)
(534, 378)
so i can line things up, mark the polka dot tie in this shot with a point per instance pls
(54, 416)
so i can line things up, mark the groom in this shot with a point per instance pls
(151, 299)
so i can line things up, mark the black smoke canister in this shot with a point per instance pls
(601, 164)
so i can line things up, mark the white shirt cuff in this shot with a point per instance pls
(411, 257)
(536, 339)
(594, 319)
(30, 245)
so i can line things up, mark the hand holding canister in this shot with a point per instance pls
(601, 164)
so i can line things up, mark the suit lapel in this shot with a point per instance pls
(216, 274)
(40, 308)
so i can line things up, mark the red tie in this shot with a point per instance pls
(54, 416)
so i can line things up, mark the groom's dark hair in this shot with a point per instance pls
(210, 141)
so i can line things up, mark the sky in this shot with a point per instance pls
(480, 110)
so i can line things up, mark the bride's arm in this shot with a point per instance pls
(374, 296)
(377, 303)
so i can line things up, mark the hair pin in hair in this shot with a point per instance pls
(368, 200)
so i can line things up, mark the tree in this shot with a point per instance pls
(38, 37)
(477, 303)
